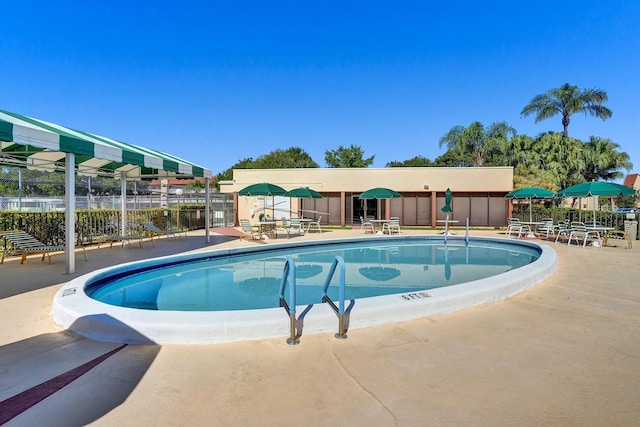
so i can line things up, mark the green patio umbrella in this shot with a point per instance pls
(448, 197)
(378, 193)
(596, 188)
(264, 189)
(530, 193)
(304, 193)
(447, 201)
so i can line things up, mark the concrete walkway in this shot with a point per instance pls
(565, 353)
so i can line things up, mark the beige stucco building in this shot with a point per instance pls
(478, 194)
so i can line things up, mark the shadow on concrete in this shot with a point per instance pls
(35, 274)
(68, 380)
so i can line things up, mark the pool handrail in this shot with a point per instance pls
(289, 276)
(338, 261)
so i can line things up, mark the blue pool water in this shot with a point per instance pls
(251, 280)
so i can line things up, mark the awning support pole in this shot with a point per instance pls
(207, 210)
(70, 214)
(123, 203)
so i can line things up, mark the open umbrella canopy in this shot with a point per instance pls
(304, 193)
(596, 188)
(530, 193)
(447, 201)
(263, 189)
(380, 193)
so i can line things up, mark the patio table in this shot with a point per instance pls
(266, 227)
(378, 224)
(531, 234)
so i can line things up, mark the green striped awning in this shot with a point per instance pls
(40, 145)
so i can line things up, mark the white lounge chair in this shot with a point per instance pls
(561, 230)
(295, 226)
(365, 225)
(315, 224)
(250, 230)
(546, 227)
(392, 225)
(283, 227)
(579, 231)
(515, 226)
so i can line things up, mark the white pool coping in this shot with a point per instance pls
(75, 311)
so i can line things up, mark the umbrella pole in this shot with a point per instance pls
(446, 228)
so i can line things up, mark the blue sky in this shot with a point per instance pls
(217, 82)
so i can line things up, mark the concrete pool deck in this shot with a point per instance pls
(565, 352)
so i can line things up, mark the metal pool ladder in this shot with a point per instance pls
(289, 277)
(338, 261)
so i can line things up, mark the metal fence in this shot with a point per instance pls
(91, 224)
(44, 204)
(619, 221)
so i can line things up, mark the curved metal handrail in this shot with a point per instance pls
(338, 261)
(289, 276)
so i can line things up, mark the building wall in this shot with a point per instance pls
(478, 193)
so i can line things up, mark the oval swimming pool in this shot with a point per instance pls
(231, 295)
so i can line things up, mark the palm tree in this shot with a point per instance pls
(477, 142)
(563, 157)
(603, 161)
(568, 100)
(521, 150)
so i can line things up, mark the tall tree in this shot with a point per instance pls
(292, 157)
(603, 160)
(352, 157)
(562, 157)
(521, 150)
(417, 161)
(531, 176)
(227, 174)
(477, 143)
(568, 100)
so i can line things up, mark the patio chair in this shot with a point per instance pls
(579, 231)
(365, 225)
(546, 227)
(295, 226)
(250, 230)
(393, 224)
(562, 229)
(21, 243)
(283, 227)
(515, 226)
(315, 224)
(155, 231)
